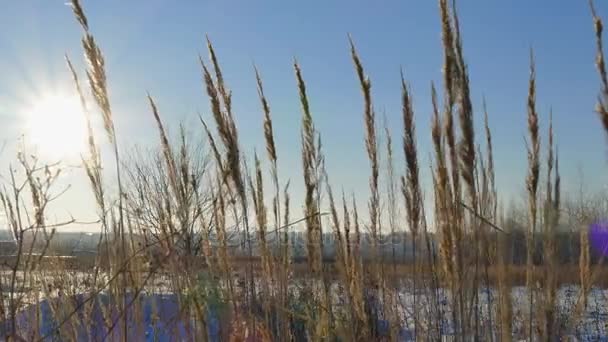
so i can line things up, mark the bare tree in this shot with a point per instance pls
(170, 204)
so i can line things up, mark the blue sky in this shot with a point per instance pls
(153, 46)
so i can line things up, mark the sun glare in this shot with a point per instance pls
(56, 127)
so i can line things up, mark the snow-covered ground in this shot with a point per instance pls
(592, 327)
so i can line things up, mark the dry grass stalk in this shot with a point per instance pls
(221, 107)
(466, 152)
(268, 132)
(93, 153)
(96, 70)
(271, 151)
(347, 234)
(450, 78)
(92, 166)
(216, 153)
(369, 118)
(391, 190)
(357, 247)
(465, 109)
(356, 255)
(466, 146)
(410, 188)
(453, 212)
(224, 92)
(311, 181)
(490, 163)
(602, 110)
(505, 306)
(286, 255)
(260, 209)
(167, 152)
(336, 228)
(219, 217)
(444, 214)
(584, 268)
(532, 186)
(312, 165)
(601, 107)
(282, 264)
(347, 275)
(393, 212)
(483, 218)
(441, 189)
(549, 227)
(96, 75)
(257, 192)
(225, 124)
(504, 309)
(355, 271)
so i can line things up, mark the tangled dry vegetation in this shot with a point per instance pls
(183, 207)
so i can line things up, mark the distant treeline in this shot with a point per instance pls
(398, 248)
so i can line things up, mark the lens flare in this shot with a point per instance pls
(598, 236)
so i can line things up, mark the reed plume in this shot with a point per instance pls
(311, 183)
(602, 106)
(411, 184)
(532, 186)
(369, 118)
(550, 226)
(96, 73)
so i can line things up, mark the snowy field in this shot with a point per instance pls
(161, 309)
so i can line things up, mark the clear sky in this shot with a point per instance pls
(153, 45)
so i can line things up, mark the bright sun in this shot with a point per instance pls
(56, 127)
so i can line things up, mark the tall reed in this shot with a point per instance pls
(532, 188)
